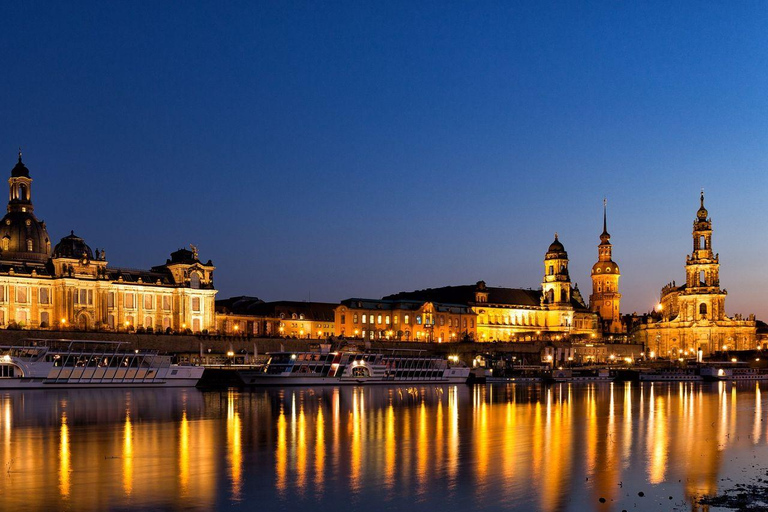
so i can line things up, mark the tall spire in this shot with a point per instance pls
(605, 215)
(19, 154)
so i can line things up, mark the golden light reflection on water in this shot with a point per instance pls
(64, 457)
(184, 454)
(234, 444)
(540, 447)
(128, 455)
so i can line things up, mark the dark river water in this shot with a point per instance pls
(501, 447)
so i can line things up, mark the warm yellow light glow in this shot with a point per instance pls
(659, 307)
(230, 353)
(733, 359)
(237, 327)
(63, 320)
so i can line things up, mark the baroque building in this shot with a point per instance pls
(690, 318)
(477, 311)
(71, 286)
(605, 298)
(251, 316)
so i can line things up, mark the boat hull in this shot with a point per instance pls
(260, 379)
(42, 384)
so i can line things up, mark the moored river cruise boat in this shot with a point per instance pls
(46, 364)
(334, 368)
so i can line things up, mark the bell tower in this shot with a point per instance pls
(556, 287)
(605, 298)
(702, 299)
(20, 189)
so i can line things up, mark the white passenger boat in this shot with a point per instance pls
(732, 372)
(334, 368)
(48, 364)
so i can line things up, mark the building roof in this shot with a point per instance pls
(253, 306)
(465, 295)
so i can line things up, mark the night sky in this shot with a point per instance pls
(328, 150)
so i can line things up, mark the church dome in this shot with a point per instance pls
(556, 250)
(20, 170)
(24, 238)
(72, 246)
(605, 267)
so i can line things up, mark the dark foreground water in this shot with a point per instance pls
(504, 447)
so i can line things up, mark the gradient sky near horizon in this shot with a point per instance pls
(328, 150)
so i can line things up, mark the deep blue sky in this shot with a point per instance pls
(358, 149)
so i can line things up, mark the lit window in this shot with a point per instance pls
(147, 301)
(407, 320)
(45, 296)
(196, 325)
(21, 294)
(378, 319)
(386, 320)
(129, 301)
(166, 303)
(418, 319)
(396, 319)
(148, 321)
(111, 300)
(364, 318)
(5, 244)
(196, 304)
(354, 318)
(29, 244)
(45, 319)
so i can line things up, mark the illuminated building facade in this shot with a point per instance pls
(605, 298)
(404, 320)
(71, 286)
(691, 317)
(478, 312)
(291, 319)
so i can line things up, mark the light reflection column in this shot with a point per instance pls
(64, 458)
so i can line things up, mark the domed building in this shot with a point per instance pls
(23, 238)
(72, 286)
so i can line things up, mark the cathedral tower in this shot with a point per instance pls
(556, 287)
(702, 299)
(605, 296)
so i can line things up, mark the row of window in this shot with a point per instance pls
(22, 295)
(426, 319)
(84, 297)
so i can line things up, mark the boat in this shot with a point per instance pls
(334, 368)
(578, 375)
(732, 371)
(46, 364)
(517, 373)
(671, 375)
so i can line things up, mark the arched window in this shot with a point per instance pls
(702, 309)
(563, 295)
(5, 243)
(148, 321)
(702, 277)
(194, 280)
(29, 244)
(551, 270)
(702, 242)
(23, 192)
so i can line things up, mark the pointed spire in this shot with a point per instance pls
(605, 215)
(702, 197)
(19, 154)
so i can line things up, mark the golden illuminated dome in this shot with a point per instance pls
(605, 267)
(556, 250)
